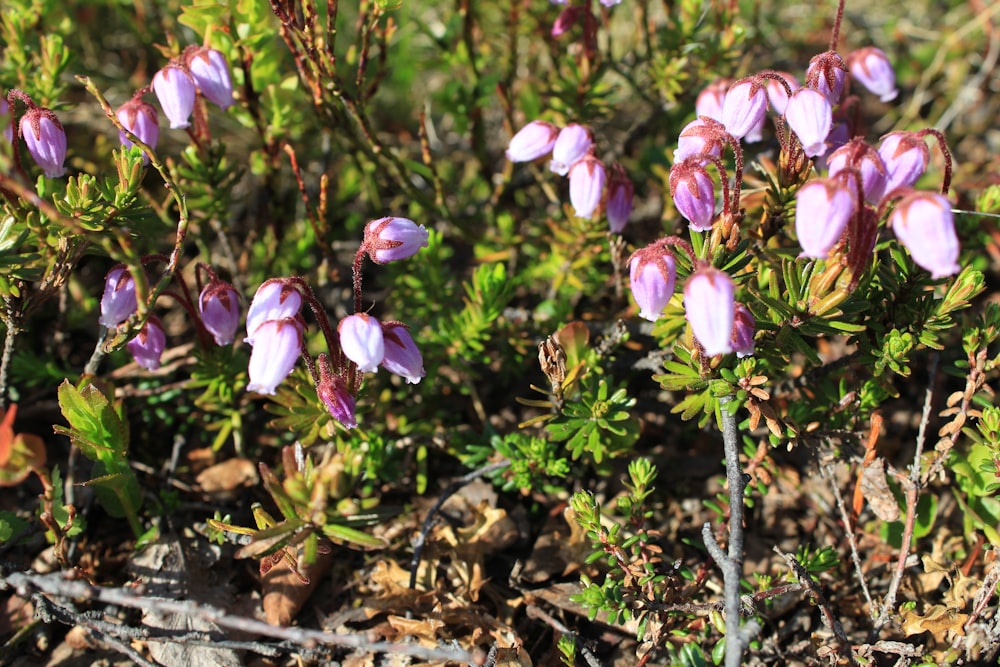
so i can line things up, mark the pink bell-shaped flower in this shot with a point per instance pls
(572, 145)
(810, 117)
(857, 154)
(710, 309)
(711, 98)
(139, 118)
(46, 140)
(922, 221)
(175, 89)
(620, 195)
(586, 186)
(693, 193)
(652, 276)
(277, 346)
(392, 239)
(905, 156)
(219, 305)
(532, 141)
(402, 356)
(210, 72)
(871, 67)
(744, 328)
(700, 136)
(332, 390)
(119, 301)
(148, 345)
(744, 107)
(362, 341)
(276, 299)
(826, 73)
(822, 210)
(777, 96)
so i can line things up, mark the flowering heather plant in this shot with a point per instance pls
(725, 234)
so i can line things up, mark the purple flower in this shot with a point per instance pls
(402, 357)
(822, 210)
(826, 73)
(744, 107)
(139, 118)
(362, 341)
(147, 347)
(652, 276)
(710, 100)
(46, 140)
(392, 239)
(857, 154)
(7, 121)
(693, 193)
(586, 186)
(175, 89)
(277, 346)
(810, 116)
(700, 136)
(332, 390)
(219, 305)
(532, 141)
(210, 72)
(823, 207)
(922, 222)
(610, 3)
(275, 299)
(118, 302)
(572, 144)
(905, 156)
(710, 308)
(872, 68)
(777, 96)
(567, 19)
(744, 328)
(620, 195)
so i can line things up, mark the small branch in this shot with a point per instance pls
(540, 614)
(827, 473)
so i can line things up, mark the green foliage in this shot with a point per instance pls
(597, 422)
(534, 460)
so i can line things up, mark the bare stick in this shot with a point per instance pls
(849, 530)
(540, 614)
(738, 635)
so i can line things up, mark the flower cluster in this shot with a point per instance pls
(572, 153)
(42, 132)
(360, 343)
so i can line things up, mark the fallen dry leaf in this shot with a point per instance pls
(285, 592)
(223, 478)
(877, 492)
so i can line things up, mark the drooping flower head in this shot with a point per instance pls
(620, 195)
(693, 193)
(276, 299)
(710, 309)
(572, 145)
(700, 136)
(652, 276)
(923, 222)
(744, 107)
(402, 356)
(567, 18)
(139, 118)
(586, 186)
(532, 141)
(210, 71)
(810, 116)
(711, 98)
(744, 328)
(822, 209)
(175, 89)
(219, 305)
(826, 73)
(276, 347)
(905, 156)
(119, 300)
(392, 239)
(858, 155)
(148, 345)
(46, 140)
(333, 391)
(871, 67)
(362, 341)
(777, 96)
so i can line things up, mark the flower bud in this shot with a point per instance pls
(586, 186)
(139, 118)
(119, 301)
(572, 144)
(567, 19)
(46, 140)
(710, 308)
(857, 154)
(652, 276)
(620, 195)
(744, 107)
(810, 117)
(905, 156)
(275, 300)
(532, 141)
(872, 68)
(826, 74)
(823, 208)
(693, 193)
(175, 89)
(362, 341)
(210, 72)
(392, 239)
(777, 96)
(219, 305)
(402, 357)
(332, 390)
(744, 328)
(147, 347)
(277, 346)
(700, 136)
(922, 221)
(711, 98)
